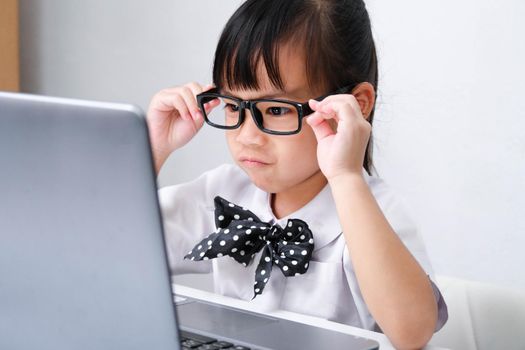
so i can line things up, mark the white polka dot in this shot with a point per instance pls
(219, 255)
(297, 243)
(202, 254)
(264, 228)
(267, 242)
(239, 226)
(250, 219)
(302, 237)
(236, 217)
(289, 234)
(285, 268)
(263, 272)
(190, 252)
(221, 217)
(242, 252)
(244, 264)
(303, 252)
(199, 247)
(231, 205)
(235, 237)
(248, 231)
(297, 274)
(311, 241)
(257, 290)
(226, 231)
(234, 250)
(252, 227)
(205, 258)
(192, 258)
(291, 251)
(300, 228)
(294, 262)
(248, 242)
(276, 261)
(285, 243)
(210, 242)
(266, 280)
(306, 265)
(289, 224)
(222, 243)
(267, 259)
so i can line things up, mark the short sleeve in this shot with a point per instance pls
(398, 216)
(188, 214)
(185, 219)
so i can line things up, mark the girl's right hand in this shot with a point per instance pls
(174, 118)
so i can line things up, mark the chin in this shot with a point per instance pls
(264, 183)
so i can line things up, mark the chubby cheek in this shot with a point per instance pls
(300, 154)
(297, 161)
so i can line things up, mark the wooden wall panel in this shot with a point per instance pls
(9, 55)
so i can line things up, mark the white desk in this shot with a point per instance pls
(314, 321)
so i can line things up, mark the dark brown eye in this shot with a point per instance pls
(278, 111)
(231, 107)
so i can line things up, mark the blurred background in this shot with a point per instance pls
(449, 125)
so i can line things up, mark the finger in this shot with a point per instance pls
(320, 126)
(197, 89)
(191, 102)
(208, 106)
(170, 102)
(324, 110)
(342, 111)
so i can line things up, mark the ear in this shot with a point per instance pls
(365, 95)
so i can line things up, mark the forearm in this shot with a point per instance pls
(395, 288)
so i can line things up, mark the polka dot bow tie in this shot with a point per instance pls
(240, 234)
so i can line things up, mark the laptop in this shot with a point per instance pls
(82, 251)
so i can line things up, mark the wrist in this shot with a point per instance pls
(349, 177)
(159, 158)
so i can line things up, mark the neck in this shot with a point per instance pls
(286, 202)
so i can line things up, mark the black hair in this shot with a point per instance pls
(335, 35)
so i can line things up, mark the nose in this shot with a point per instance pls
(248, 132)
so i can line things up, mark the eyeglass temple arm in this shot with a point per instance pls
(306, 107)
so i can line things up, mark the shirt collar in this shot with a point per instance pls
(320, 214)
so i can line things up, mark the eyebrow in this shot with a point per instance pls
(278, 94)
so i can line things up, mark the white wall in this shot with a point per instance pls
(449, 125)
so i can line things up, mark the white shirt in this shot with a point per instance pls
(329, 288)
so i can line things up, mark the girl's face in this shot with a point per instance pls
(277, 163)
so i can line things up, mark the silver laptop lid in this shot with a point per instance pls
(82, 257)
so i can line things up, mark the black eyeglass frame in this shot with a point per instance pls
(303, 109)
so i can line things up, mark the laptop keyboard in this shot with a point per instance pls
(194, 341)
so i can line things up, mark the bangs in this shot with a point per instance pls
(256, 33)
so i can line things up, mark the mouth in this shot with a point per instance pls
(252, 162)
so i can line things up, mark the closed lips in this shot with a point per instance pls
(252, 159)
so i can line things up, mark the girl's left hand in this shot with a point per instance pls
(339, 151)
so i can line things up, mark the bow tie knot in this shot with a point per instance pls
(241, 234)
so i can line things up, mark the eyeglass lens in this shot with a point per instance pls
(274, 116)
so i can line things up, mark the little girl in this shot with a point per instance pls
(298, 223)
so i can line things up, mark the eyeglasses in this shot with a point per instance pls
(272, 116)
